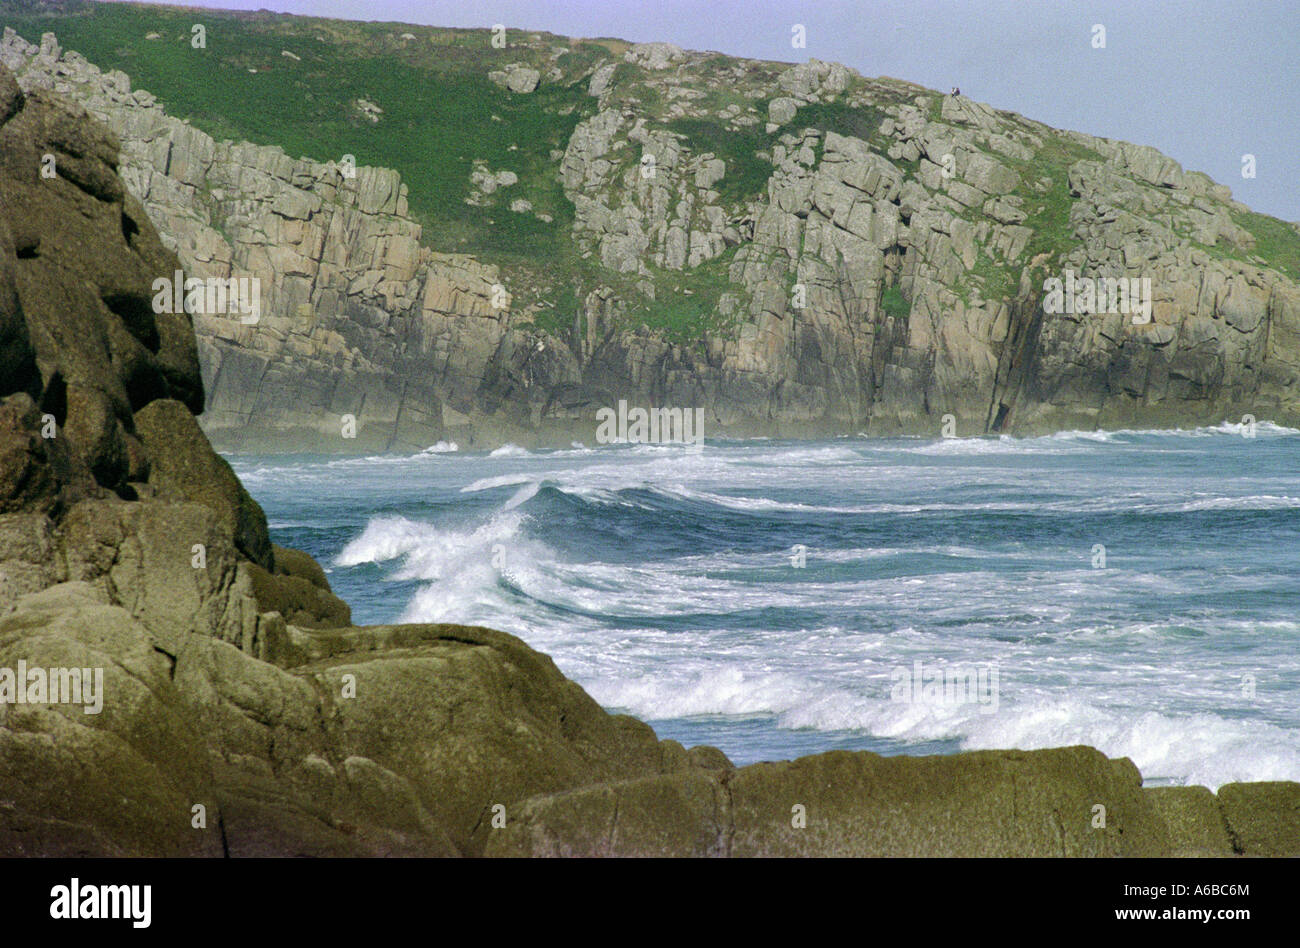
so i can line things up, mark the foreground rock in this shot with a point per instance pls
(241, 714)
(1069, 801)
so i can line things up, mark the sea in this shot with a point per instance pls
(1136, 591)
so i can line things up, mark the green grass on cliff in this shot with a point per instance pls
(842, 119)
(441, 115)
(894, 303)
(747, 174)
(1049, 210)
(1277, 243)
(1045, 190)
(685, 306)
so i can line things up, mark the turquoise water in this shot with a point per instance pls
(773, 598)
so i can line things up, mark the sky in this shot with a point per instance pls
(1205, 81)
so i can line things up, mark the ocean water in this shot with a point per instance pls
(1136, 591)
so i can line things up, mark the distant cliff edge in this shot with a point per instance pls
(795, 250)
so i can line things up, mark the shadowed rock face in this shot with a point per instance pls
(89, 374)
(875, 276)
(241, 712)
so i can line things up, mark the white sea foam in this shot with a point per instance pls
(442, 447)
(1251, 502)
(385, 538)
(1206, 749)
(1060, 441)
(491, 483)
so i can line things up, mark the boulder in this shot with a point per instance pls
(93, 373)
(120, 781)
(1194, 820)
(516, 77)
(183, 466)
(1263, 818)
(782, 110)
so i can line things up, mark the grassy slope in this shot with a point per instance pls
(438, 106)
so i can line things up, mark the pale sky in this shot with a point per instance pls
(1205, 81)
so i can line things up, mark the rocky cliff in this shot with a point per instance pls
(795, 249)
(239, 712)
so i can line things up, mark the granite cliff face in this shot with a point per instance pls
(240, 713)
(795, 249)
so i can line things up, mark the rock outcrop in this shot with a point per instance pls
(852, 255)
(239, 713)
(986, 804)
(232, 680)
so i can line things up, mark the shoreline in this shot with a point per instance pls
(315, 443)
